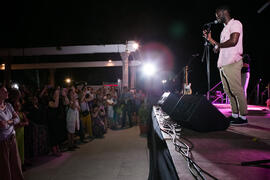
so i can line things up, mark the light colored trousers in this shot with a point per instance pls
(231, 80)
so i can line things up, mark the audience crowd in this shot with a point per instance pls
(53, 120)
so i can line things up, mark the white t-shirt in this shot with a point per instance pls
(232, 54)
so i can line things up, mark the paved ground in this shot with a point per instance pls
(121, 155)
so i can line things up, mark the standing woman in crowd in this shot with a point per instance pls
(10, 163)
(61, 116)
(102, 114)
(126, 97)
(111, 102)
(20, 130)
(73, 119)
(85, 112)
(98, 124)
(38, 133)
(15, 100)
(53, 123)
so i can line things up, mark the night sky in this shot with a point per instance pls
(173, 26)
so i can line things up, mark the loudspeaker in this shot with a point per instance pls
(168, 102)
(197, 113)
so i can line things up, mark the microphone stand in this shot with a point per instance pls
(206, 55)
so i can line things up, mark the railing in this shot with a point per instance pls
(218, 96)
(221, 96)
(260, 94)
(259, 97)
(265, 92)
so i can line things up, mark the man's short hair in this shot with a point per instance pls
(223, 8)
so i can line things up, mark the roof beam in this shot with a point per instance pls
(69, 50)
(70, 65)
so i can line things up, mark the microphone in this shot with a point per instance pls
(213, 22)
(263, 7)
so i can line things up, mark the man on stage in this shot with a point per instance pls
(230, 63)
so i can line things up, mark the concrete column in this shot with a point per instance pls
(133, 77)
(125, 69)
(51, 77)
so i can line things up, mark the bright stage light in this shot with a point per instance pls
(68, 80)
(135, 45)
(149, 69)
(15, 86)
(164, 81)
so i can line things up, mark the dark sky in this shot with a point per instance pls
(175, 25)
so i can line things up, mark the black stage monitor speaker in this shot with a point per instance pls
(197, 113)
(168, 102)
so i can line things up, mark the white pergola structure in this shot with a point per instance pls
(123, 49)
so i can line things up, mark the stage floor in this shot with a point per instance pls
(226, 108)
(258, 118)
(221, 153)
